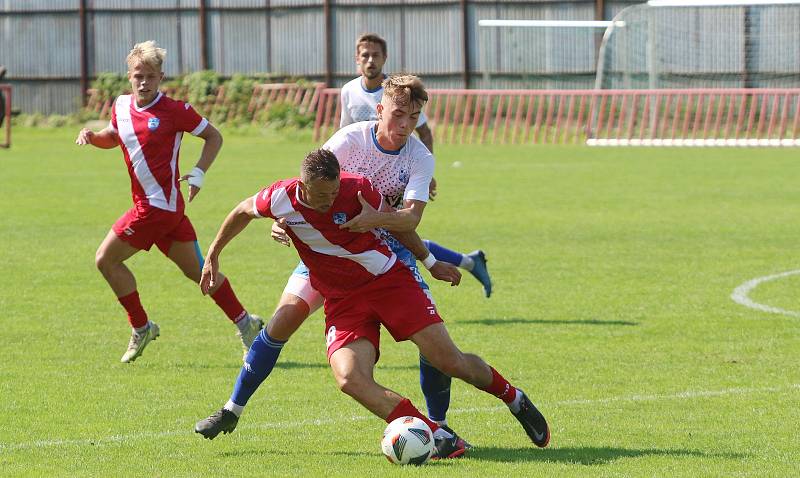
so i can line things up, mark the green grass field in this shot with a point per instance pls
(613, 271)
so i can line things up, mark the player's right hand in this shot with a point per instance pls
(208, 278)
(446, 272)
(278, 232)
(84, 137)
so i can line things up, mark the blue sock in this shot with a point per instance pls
(260, 359)
(443, 254)
(436, 388)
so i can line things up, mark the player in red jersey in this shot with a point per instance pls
(148, 126)
(364, 286)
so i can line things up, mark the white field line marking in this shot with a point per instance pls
(690, 394)
(740, 294)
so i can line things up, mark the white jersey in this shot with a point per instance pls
(360, 104)
(399, 175)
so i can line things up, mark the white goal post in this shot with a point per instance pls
(741, 59)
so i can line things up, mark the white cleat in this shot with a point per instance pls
(139, 342)
(254, 326)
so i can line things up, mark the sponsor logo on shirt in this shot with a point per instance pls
(339, 218)
(295, 223)
(152, 123)
(394, 201)
(403, 176)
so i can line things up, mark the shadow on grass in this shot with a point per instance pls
(288, 364)
(511, 321)
(584, 455)
(323, 365)
(587, 456)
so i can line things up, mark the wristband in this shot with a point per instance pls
(196, 177)
(429, 261)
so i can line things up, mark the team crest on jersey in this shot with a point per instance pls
(339, 218)
(404, 176)
(152, 123)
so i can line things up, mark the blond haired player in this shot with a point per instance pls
(359, 100)
(148, 127)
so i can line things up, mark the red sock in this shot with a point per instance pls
(137, 317)
(500, 388)
(407, 409)
(227, 301)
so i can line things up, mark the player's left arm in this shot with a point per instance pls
(415, 197)
(212, 144)
(425, 135)
(401, 220)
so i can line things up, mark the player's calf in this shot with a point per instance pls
(439, 350)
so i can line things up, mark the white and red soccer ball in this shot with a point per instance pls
(407, 440)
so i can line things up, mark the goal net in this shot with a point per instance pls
(707, 73)
(703, 44)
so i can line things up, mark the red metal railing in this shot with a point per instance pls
(5, 90)
(602, 117)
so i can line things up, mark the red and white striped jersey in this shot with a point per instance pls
(150, 138)
(340, 261)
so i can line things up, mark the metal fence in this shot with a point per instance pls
(672, 117)
(54, 48)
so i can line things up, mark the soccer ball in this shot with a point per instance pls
(407, 440)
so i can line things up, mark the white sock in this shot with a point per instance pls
(142, 330)
(442, 433)
(466, 262)
(244, 322)
(441, 423)
(514, 405)
(236, 409)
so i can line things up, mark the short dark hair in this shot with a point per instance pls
(320, 164)
(371, 38)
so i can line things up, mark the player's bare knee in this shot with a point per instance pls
(288, 317)
(351, 383)
(102, 261)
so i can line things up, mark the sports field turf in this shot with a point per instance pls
(613, 268)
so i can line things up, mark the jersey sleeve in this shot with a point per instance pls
(189, 120)
(421, 174)
(262, 202)
(368, 192)
(112, 123)
(339, 145)
(345, 118)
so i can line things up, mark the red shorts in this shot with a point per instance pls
(143, 228)
(394, 300)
